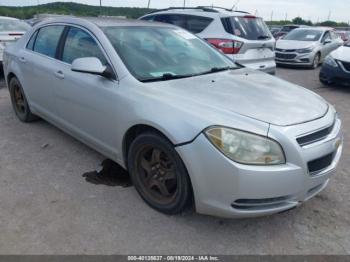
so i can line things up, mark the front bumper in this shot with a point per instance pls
(294, 58)
(227, 189)
(332, 74)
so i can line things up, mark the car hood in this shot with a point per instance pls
(246, 92)
(342, 53)
(291, 44)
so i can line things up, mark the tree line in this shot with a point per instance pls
(27, 12)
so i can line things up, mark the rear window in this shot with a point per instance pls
(194, 24)
(249, 27)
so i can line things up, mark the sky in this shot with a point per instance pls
(315, 10)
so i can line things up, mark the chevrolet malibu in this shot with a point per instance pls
(190, 126)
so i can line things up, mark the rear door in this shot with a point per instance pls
(39, 66)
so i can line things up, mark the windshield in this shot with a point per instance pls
(304, 35)
(13, 25)
(160, 53)
(247, 27)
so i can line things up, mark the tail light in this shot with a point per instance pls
(227, 46)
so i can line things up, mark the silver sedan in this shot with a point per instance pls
(307, 46)
(191, 126)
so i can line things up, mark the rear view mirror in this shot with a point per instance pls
(90, 65)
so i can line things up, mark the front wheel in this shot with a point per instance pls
(316, 61)
(159, 174)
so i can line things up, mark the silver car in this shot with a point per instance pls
(307, 46)
(191, 127)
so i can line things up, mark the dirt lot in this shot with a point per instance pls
(48, 207)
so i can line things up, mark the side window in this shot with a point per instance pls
(197, 24)
(326, 36)
(148, 18)
(80, 44)
(30, 44)
(162, 18)
(47, 40)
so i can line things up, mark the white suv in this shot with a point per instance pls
(243, 37)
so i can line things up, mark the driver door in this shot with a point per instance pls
(85, 102)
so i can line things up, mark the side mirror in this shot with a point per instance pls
(90, 65)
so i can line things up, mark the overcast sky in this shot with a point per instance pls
(315, 10)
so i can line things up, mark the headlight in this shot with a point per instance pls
(246, 148)
(330, 61)
(305, 51)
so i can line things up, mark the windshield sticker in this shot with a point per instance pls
(160, 74)
(185, 34)
(310, 36)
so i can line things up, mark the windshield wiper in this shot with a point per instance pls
(164, 77)
(263, 37)
(168, 76)
(217, 69)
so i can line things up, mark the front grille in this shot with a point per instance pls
(314, 137)
(346, 65)
(286, 50)
(285, 56)
(320, 164)
(262, 203)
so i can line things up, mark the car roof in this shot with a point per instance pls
(103, 21)
(8, 18)
(208, 11)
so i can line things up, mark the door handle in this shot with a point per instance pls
(59, 74)
(22, 59)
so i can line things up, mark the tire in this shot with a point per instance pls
(19, 102)
(316, 61)
(325, 82)
(158, 174)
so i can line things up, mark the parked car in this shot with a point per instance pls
(184, 119)
(306, 46)
(240, 35)
(274, 30)
(344, 35)
(11, 29)
(286, 29)
(336, 67)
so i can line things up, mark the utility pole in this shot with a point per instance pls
(329, 15)
(184, 3)
(100, 7)
(149, 3)
(285, 19)
(271, 16)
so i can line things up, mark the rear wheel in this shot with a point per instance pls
(19, 102)
(159, 174)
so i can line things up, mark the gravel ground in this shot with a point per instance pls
(48, 207)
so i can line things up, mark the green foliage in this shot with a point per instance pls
(67, 8)
(300, 21)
